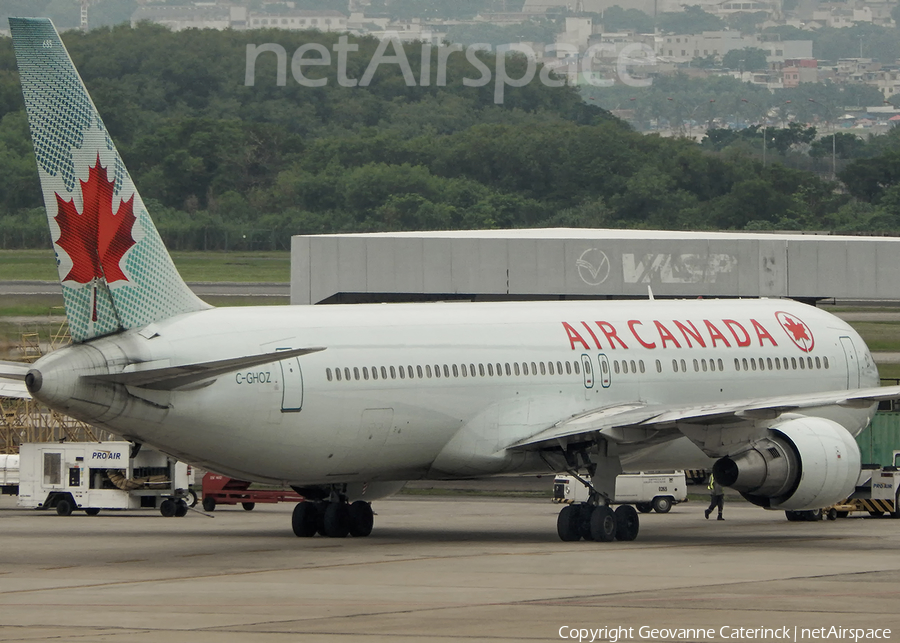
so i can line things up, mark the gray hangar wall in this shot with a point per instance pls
(590, 263)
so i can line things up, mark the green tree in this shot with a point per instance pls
(746, 59)
(690, 21)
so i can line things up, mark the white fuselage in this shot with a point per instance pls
(406, 391)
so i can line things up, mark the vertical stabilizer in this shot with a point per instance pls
(115, 271)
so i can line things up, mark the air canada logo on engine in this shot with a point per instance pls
(796, 330)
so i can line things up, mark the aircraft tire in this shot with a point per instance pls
(627, 523)
(362, 519)
(662, 504)
(336, 523)
(567, 526)
(305, 520)
(64, 507)
(644, 507)
(167, 508)
(603, 524)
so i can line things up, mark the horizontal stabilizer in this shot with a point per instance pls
(14, 370)
(170, 378)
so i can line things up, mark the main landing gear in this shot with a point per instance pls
(597, 522)
(333, 518)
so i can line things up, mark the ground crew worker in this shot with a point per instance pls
(716, 497)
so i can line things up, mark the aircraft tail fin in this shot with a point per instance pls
(114, 268)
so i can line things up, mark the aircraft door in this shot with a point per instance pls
(292, 385)
(588, 371)
(604, 370)
(852, 362)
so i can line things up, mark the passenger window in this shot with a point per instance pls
(825, 361)
(762, 364)
(745, 365)
(465, 370)
(625, 366)
(753, 363)
(802, 363)
(721, 366)
(616, 366)
(355, 372)
(703, 365)
(568, 368)
(500, 370)
(641, 365)
(507, 369)
(490, 369)
(516, 368)
(577, 368)
(346, 373)
(675, 365)
(471, 370)
(543, 370)
(533, 368)
(633, 369)
(696, 366)
(769, 362)
(428, 371)
(524, 368)
(328, 374)
(559, 367)
(550, 368)
(809, 362)
(604, 366)
(384, 372)
(437, 370)
(456, 370)
(337, 374)
(818, 363)
(683, 367)
(737, 364)
(658, 366)
(480, 370)
(374, 372)
(794, 363)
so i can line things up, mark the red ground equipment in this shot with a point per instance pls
(222, 490)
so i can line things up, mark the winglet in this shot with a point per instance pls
(115, 271)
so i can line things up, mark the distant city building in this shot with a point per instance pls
(300, 20)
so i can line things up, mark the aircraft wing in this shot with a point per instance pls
(638, 422)
(169, 378)
(12, 380)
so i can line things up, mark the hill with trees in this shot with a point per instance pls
(226, 165)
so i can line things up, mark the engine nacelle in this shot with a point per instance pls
(804, 463)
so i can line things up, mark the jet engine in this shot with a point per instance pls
(803, 463)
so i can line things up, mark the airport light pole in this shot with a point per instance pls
(833, 142)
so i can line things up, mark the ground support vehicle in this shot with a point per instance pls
(647, 490)
(95, 476)
(877, 492)
(222, 490)
(9, 474)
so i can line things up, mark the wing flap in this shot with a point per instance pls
(634, 422)
(170, 378)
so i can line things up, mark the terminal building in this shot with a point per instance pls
(590, 264)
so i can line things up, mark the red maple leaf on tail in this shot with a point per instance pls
(96, 239)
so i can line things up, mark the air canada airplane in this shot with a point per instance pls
(345, 403)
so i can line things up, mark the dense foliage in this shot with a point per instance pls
(225, 165)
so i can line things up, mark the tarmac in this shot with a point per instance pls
(440, 568)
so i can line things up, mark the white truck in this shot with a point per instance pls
(646, 490)
(9, 474)
(91, 476)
